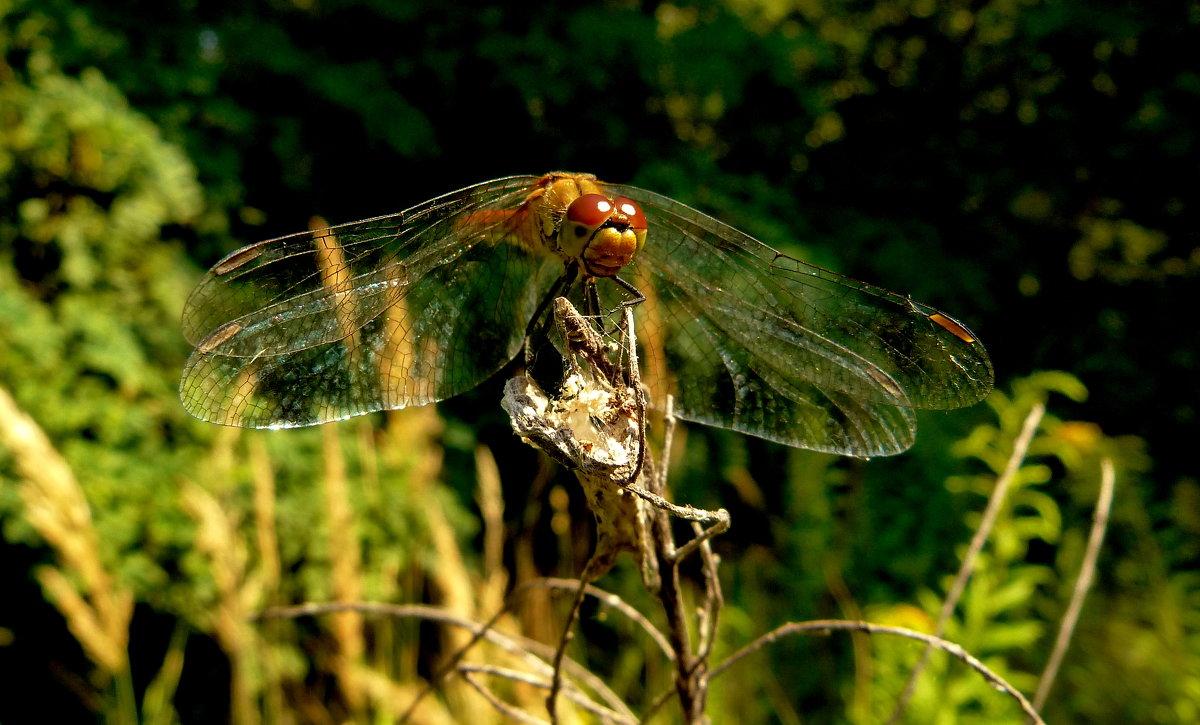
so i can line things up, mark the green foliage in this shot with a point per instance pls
(90, 292)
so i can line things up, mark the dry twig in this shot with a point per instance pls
(1086, 571)
(995, 502)
(827, 625)
(603, 713)
(535, 654)
(596, 428)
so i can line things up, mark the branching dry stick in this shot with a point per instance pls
(692, 675)
(503, 707)
(535, 653)
(467, 671)
(691, 678)
(1086, 571)
(827, 625)
(591, 572)
(713, 599)
(595, 427)
(995, 502)
(603, 421)
(611, 600)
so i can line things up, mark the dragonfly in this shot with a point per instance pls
(415, 307)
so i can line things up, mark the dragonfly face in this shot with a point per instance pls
(418, 306)
(611, 231)
(580, 222)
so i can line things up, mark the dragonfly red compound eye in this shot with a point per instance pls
(590, 210)
(629, 208)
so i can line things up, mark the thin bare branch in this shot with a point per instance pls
(635, 385)
(713, 598)
(536, 654)
(691, 681)
(503, 707)
(589, 574)
(605, 715)
(1086, 572)
(669, 423)
(657, 703)
(720, 524)
(825, 626)
(611, 600)
(682, 511)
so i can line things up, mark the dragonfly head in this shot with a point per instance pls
(603, 234)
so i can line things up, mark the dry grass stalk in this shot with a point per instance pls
(536, 609)
(394, 697)
(412, 433)
(967, 568)
(157, 703)
(264, 518)
(1087, 571)
(97, 609)
(824, 626)
(217, 538)
(345, 570)
(491, 509)
(336, 277)
(269, 568)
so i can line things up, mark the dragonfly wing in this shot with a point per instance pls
(385, 313)
(768, 345)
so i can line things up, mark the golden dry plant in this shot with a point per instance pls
(96, 607)
(368, 664)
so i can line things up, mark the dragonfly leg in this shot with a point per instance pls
(541, 320)
(591, 301)
(637, 298)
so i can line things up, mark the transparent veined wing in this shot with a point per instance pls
(755, 341)
(399, 310)
(415, 307)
